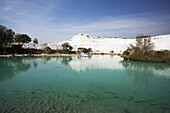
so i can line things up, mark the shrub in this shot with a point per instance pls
(66, 48)
(84, 50)
(127, 52)
(143, 51)
(48, 50)
(111, 51)
(35, 41)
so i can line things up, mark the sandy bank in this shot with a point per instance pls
(56, 54)
(37, 55)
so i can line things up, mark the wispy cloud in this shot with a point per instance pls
(7, 8)
(124, 26)
(50, 18)
(21, 13)
(39, 21)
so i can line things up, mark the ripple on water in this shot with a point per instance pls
(131, 98)
(16, 91)
(166, 104)
(70, 96)
(116, 96)
(106, 92)
(33, 92)
(153, 104)
(137, 101)
(164, 108)
(112, 93)
(126, 111)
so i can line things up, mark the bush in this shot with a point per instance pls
(84, 50)
(127, 52)
(35, 41)
(66, 48)
(48, 50)
(143, 51)
(111, 51)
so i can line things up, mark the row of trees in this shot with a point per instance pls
(67, 48)
(8, 36)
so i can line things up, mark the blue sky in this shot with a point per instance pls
(59, 20)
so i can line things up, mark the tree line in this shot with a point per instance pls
(8, 36)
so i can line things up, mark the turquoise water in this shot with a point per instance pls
(99, 84)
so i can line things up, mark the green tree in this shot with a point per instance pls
(143, 47)
(70, 48)
(35, 40)
(89, 50)
(48, 50)
(24, 38)
(66, 47)
(6, 36)
(84, 50)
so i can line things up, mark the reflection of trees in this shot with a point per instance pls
(142, 72)
(11, 67)
(35, 65)
(6, 70)
(66, 60)
(48, 58)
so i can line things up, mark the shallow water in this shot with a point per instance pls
(99, 84)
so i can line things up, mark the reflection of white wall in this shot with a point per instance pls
(112, 63)
(81, 64)
(150, 68)
(96, 62)
(38, 60)
(163, 73)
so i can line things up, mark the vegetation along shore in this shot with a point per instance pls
(143, 51)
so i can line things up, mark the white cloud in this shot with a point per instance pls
(21, 13)
(47, 31)
(7, 8)
(126, 26)
(39, 21)
(50, 18)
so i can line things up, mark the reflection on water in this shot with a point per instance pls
(81, 64)
(10, 67)
(141, 71)
(146, 70)
(99, 84)
(66, 60)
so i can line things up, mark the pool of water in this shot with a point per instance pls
(98, 84)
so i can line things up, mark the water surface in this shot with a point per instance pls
(99, 84)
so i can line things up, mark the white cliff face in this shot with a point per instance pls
(118, 45)
(53, 46)
(104, 45)
(161, 42)
(33, 46)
